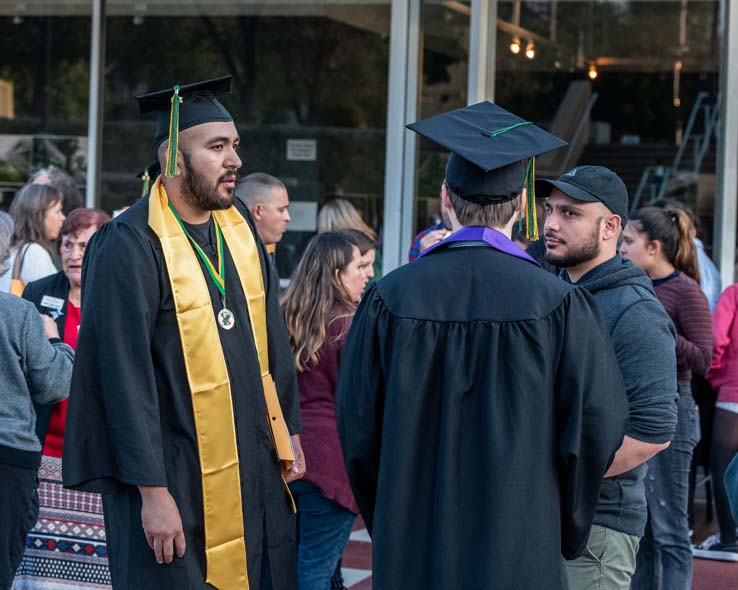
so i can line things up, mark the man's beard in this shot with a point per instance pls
(589, 250)
(198, 192)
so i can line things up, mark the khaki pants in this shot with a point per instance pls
(607, 563)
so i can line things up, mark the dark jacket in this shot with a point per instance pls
(645, 345)
(45, 294)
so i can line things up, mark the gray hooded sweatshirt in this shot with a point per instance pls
(645, 346)
(32, 369)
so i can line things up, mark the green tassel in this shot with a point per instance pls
(146, 183)
(171, 169)
(531, 219)
(496, 132)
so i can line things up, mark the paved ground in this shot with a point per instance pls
(708, 574)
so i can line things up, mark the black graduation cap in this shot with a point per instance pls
(492, 153)
(181, 107)
(148, 176)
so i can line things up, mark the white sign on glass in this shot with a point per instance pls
(304, 216)
(302, 150)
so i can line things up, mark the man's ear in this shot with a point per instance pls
(445, 199)
(256, 211)
(522, 203)
(612, 228)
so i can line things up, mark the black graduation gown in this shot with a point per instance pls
(479, 405)
(56, 286)
(130, 416)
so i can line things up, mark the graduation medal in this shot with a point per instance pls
(225, 318)
(225, 315)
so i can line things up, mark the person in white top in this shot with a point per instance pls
(37, 217)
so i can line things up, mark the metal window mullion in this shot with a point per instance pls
(727, 165)
(410, 157)
(398, 193)
(95, 114)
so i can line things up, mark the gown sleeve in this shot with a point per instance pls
(591, 412)
(113, 433)
(360, 400)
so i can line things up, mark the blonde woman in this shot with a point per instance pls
(338, 214)
(318, 307)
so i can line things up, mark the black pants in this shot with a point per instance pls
(18, 514)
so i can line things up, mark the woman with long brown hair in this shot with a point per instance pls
(660, 242)
(318, 307)
(37, 216)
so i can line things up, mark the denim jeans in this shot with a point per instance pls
(666, 540)
(323, 531)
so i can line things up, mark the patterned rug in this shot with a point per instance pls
(66, 549)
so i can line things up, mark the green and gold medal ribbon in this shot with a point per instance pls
(218, 276)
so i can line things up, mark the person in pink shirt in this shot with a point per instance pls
(723, 376)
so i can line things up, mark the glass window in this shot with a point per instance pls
(444, 77)
(44, 88)
(620, 81)
(309, 96)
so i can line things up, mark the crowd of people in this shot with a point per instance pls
(504, 411)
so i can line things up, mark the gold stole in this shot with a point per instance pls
(207, 375)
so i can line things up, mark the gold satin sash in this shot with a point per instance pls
(207, 375)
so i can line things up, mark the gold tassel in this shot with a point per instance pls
(531, 219)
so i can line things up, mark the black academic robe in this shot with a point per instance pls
(56, 287)
(130, 419)
(479, 405)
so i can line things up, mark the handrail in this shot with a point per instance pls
(641, 187)
(663, 183)
(701, 146)
(701, 96)
(709, 129)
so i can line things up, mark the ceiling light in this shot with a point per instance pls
(530, 51)
(515, 46)
(593, 73)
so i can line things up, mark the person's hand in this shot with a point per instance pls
(298, 467)
(49, 327)
(432, 237)
(162, 524)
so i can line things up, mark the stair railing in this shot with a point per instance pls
(700, 145)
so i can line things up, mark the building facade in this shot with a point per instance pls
(323, 90)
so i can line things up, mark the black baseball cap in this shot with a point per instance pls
(490, 148)
(590, 183)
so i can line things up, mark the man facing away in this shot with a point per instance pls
(175, 418)
(586, 210)
(268, 202)
(479, 401)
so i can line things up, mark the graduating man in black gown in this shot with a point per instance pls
(479, 399)
(175, 417)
